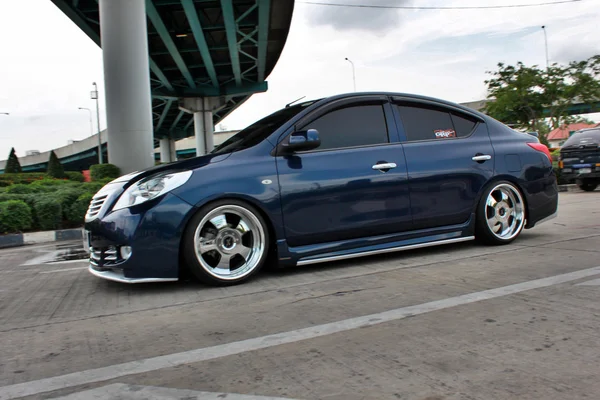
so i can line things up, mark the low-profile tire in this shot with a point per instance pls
(225, 243)
(500, 214)
(588, 187)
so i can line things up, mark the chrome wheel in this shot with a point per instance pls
(229, 242)
(504, 211)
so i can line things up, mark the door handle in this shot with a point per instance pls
(481, 157)
(384, 167)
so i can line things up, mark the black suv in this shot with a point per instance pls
(580, 159)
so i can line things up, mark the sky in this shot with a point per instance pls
(47, 65)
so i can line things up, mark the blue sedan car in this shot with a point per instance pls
(346, 176)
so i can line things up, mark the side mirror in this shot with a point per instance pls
(537, 135)
(302, 141)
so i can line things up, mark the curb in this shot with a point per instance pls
(22, 239)
(568, 188)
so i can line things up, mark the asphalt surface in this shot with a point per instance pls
(454, 322)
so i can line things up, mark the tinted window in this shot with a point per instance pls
(463, 125)
(260, 130)
(426, 124)
(351, 126)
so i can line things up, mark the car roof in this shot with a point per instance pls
(407, 96)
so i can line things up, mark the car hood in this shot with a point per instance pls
(184, 165)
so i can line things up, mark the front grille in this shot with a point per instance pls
(105, 257)
(96, 205)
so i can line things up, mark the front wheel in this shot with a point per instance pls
(226, 242)
(588, 187)
(500, 214)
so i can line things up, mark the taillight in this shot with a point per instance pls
(561, 164)
(541, 147)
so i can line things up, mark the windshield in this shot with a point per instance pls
(260, 130)
(583, 138)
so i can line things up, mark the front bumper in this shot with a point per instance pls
(152, 231)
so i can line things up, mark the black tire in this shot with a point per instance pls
(194, 263)
(483, 231)
(588, 187)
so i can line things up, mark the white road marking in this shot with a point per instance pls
(593, 282)
(135, 392)
(263, 342)
(44, 258)
(63, 270)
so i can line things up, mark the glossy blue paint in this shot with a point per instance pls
(444, 180)
(322, 203)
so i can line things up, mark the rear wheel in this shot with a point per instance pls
(226, 242)
(500, 214)
(588, 187)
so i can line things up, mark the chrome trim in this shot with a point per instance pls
(484, 157)
(118, 276)
(548, 218)
(382, 251)
(389, 165)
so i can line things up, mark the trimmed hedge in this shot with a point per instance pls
(77, 210)
(24, 177)
(103, 171)
(74, 176)
(49, 214)
(15, 216)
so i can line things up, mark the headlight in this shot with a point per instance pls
(151, 187)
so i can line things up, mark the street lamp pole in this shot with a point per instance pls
(546, 43)
(353, 72)
(91, 123)
(95, 97)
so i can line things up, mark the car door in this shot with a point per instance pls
(449, 159)
(354, 184)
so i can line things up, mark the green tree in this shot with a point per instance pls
(12, 164)
(526, 96)
(55, 168)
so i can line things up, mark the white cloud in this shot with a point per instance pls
(48, 64)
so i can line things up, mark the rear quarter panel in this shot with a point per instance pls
(528, 168)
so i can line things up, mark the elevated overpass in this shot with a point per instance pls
(577, 108)
(175, 68)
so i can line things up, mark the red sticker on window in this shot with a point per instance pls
(444, 133)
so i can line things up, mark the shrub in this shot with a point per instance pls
(20, 188)
(55, 168)
(66, 197)
(74, 176)
(49, 213)
(12, 163)
(101, 171)
(15, 216)
(77, 210)
(7, 179)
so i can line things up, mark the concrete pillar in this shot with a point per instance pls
(173, 148)
(165, 150)
(209, 128)
(199, 133)
(127, 84)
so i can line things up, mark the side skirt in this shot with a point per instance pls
(369, 252)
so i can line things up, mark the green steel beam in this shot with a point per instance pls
(244, 15)
(168, 41)
(190, 122)
(231, 30)
(209, 91)
(164, 114)
(192, 17)
(160, 75)
(264, 10)
(174, 124)
(78, 19)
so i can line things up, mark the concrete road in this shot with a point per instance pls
(457, 322)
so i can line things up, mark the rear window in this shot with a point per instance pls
(584, 138)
